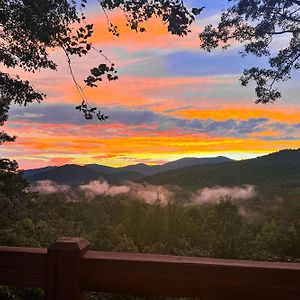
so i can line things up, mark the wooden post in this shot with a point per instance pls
(63, 269)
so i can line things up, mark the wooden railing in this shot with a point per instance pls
(67, 270)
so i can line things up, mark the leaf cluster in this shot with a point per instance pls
(29, 29)
(173, 13)
(256, 24)
(98, 72)
(89, 112)
(14, 90)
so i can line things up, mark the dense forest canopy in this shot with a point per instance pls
(256, 230)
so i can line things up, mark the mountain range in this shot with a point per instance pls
(72, 174)
(275, 173)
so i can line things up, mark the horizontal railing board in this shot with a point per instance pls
(104, 255)
(23, 267)
(148, 274)
(186, 276)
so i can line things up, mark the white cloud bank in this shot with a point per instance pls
(213, 194)
(102, 187)
(50, 187)
(145, 192)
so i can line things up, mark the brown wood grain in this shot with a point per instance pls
(67, 269)
(23, 267)
(182, 276)
(63, 272)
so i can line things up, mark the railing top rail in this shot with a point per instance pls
(21, 250)
(149, 274)
(117, 256)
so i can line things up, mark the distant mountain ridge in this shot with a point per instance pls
(273, 173)
(31, 172)
(74, 174)
(286, 156)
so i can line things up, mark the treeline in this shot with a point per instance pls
(223, 230)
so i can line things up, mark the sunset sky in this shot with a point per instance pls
(172, 100)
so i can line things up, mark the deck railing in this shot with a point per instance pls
(67, 270)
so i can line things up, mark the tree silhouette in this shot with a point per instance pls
(29, 29)
(255, 24)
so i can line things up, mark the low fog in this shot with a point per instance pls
(213, 194)
(49, 187)
(144, 191)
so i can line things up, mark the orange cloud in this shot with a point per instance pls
(289, 115)
(156, 35)
(159, 93)
(58, 161)
(266, 133)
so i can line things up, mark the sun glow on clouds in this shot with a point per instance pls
(156, 113)
(156, 36)
(288, 115)
(126, 150)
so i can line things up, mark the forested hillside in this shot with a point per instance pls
(274, 174)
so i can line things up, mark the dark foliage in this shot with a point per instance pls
(29, 29)
(256, 24)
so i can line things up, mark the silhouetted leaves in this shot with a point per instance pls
(98, 73)
(30, 28)
(172, 12)
(197, 11)
(255, 24)
(114, 29)
(14, 90)
(91, 112)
